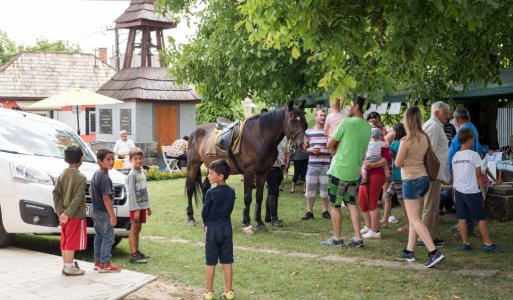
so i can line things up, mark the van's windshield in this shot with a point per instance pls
(33, 137)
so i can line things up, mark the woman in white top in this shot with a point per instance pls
(410, 158)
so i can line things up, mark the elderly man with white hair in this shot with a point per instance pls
(434, 128)
(123, 145)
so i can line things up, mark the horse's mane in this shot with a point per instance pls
(269, 119)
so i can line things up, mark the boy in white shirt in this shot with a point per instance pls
(468, 196)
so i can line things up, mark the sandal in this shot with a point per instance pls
(403, 229)
(292, 191)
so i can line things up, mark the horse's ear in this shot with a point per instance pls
(291, 105)
(302, 105)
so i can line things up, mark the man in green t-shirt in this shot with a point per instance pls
(352, 135)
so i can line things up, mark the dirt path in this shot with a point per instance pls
(162, 289)
(166, 290)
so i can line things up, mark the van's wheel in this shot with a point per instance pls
(90, 241)
(117, 240)
(5, 238)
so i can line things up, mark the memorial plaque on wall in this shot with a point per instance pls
(106, 121)
(125, 120)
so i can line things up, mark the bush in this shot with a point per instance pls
(154, 174)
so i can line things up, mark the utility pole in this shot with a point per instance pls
(116, 50)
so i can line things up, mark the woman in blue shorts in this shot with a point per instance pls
(410, 159)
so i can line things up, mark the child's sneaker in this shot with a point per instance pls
(142, 254)
(333, 242)
(355, 243)
(465, 247)
(409, 257)
(434, 259)
(73, 271)
(364, 230)
(371, 235)
(491, 248)
(208, 296)
(97, 265)
(227, 295)
(136, 258)
(109, 268)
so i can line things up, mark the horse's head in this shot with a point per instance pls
(295, 124)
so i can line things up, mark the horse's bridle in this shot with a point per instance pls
(295, 135)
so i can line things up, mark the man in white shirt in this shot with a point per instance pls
(434, 128)
(123, 145)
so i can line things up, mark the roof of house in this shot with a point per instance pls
(142, 12)
(38, 75)
(147, 83)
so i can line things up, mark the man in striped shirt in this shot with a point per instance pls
(318, 165)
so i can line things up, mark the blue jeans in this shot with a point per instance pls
(414, 189)
(104, 238)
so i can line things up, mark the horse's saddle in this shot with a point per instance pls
(227, 133)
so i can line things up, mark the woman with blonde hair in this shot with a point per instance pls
(410, 158)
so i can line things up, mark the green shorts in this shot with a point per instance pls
(342, 191)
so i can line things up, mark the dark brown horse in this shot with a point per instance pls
(258, 151)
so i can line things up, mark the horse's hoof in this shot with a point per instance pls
(249, 230)
(261, 228)
(191, 223)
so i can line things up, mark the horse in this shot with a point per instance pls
(260, 137)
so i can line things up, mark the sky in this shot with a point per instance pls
(82, 22)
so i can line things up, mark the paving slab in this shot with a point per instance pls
(26, 274)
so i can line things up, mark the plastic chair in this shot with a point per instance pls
(171, 163)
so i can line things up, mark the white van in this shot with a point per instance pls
(31, 160)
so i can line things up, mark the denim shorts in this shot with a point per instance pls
(414, 189)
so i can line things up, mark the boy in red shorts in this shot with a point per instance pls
(70, 205)
(138, 203)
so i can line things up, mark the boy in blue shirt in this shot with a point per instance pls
(217, 208)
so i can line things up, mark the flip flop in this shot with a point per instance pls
(403, 229)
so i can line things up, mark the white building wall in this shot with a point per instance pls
(114, 136)
(70, 119)
(144, 126)
(187, 117)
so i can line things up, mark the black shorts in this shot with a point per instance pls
(469, 206)
(219, 244)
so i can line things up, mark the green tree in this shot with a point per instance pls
(225, 66)
(52, 46)
(7, 48)
(426, 48)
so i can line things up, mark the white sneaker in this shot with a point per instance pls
(393, 220)
(371, 235)
(364, 230)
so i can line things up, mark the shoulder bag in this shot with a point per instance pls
(431, 162)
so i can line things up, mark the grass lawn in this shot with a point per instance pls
(289, 263)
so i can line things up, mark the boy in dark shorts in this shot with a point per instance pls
(216, 212)
(70, 205)
(138, 203)
(101, 190)
(470, 194)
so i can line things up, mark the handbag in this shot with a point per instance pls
(431, 162)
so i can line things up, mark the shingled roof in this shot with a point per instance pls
(142, 13)
(147, 83)
(38, 75)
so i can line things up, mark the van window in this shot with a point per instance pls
(33, 137)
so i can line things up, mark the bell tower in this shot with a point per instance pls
(145, 31)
